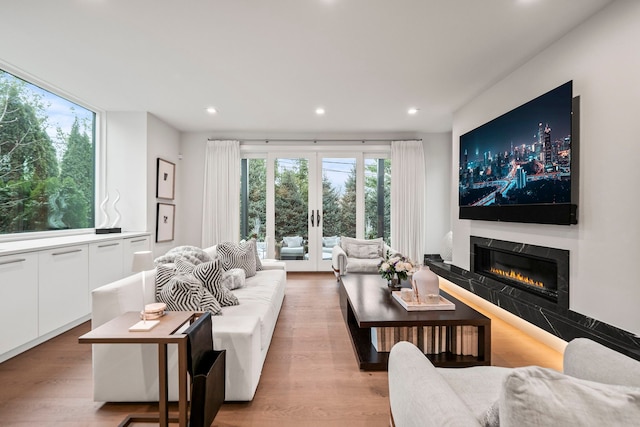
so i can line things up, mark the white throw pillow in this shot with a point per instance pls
(351, 247)
(293, 242)
(234, 278)
(535, 396)
(329, 242)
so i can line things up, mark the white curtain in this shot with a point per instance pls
(221, 198)
(408, 187)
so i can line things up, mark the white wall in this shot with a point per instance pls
(163, 142)
(126, 168)
(437, 153)
(134, 141)
(601, 57)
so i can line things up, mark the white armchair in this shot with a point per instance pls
(358, 255)
(292, 248)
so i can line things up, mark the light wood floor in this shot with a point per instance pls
(310, 377)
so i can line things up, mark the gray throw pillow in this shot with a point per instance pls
(535, 396)
(232, 255)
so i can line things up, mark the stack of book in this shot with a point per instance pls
(460, 340)
(384, 338)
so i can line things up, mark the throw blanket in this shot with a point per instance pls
(192, 254)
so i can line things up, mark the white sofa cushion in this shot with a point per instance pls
(535, 396)
(466, 381)
(262, 297)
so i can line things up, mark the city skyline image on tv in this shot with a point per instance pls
(522, 157)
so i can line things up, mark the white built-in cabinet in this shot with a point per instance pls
(46, 284)
(131, 246)
(63, 287)
(18, 300)
(105, 264)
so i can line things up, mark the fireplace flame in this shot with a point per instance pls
(514, 275)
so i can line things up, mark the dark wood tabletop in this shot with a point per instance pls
(373, 305)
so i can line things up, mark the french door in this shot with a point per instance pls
(298, 204)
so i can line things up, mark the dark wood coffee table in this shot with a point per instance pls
(366, 303)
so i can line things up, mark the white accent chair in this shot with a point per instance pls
(358, 255)
(599, 386)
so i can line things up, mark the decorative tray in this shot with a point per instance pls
(443, 304)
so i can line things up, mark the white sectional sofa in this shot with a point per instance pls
(129, 373)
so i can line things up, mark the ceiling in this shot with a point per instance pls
(267, 65)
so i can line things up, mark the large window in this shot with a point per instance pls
(47, 160)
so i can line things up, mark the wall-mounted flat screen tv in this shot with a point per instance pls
(522, 166)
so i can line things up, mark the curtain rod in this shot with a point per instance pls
(267, 140)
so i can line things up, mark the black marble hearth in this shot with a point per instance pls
(555, 318)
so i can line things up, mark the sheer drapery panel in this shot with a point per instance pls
(221, 201)
(408, 186)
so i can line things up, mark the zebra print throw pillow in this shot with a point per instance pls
(210, 276)
(164, 273)
(242, 256)
(185, 293)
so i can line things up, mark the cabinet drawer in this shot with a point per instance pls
(105, 263)
(18, 300)
(63, 286)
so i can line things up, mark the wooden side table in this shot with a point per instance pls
(116, 331)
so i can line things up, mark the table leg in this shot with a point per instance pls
(163, 397)
(182, 383)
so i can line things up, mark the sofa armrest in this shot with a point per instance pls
(339, 260)
(273, 265)
(418, 394)
(589, 360)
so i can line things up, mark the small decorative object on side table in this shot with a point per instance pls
(395, 269)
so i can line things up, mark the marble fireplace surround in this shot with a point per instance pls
(555, 318)
(559, 257)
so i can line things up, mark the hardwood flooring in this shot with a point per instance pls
(310, 377)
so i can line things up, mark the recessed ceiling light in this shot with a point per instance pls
(320, 111)
(211, 110)
(412, 111)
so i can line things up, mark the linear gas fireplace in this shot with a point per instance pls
(534, 272)
(531, 282)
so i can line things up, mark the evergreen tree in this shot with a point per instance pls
(331, 218)
(27, 160)
(348, 206)
(257, 195)
(290, 208)
(77, 171)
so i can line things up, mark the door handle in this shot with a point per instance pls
(318, 217)
(312, 223)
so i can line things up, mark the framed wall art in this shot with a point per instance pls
(166, 179)
(165, 222)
